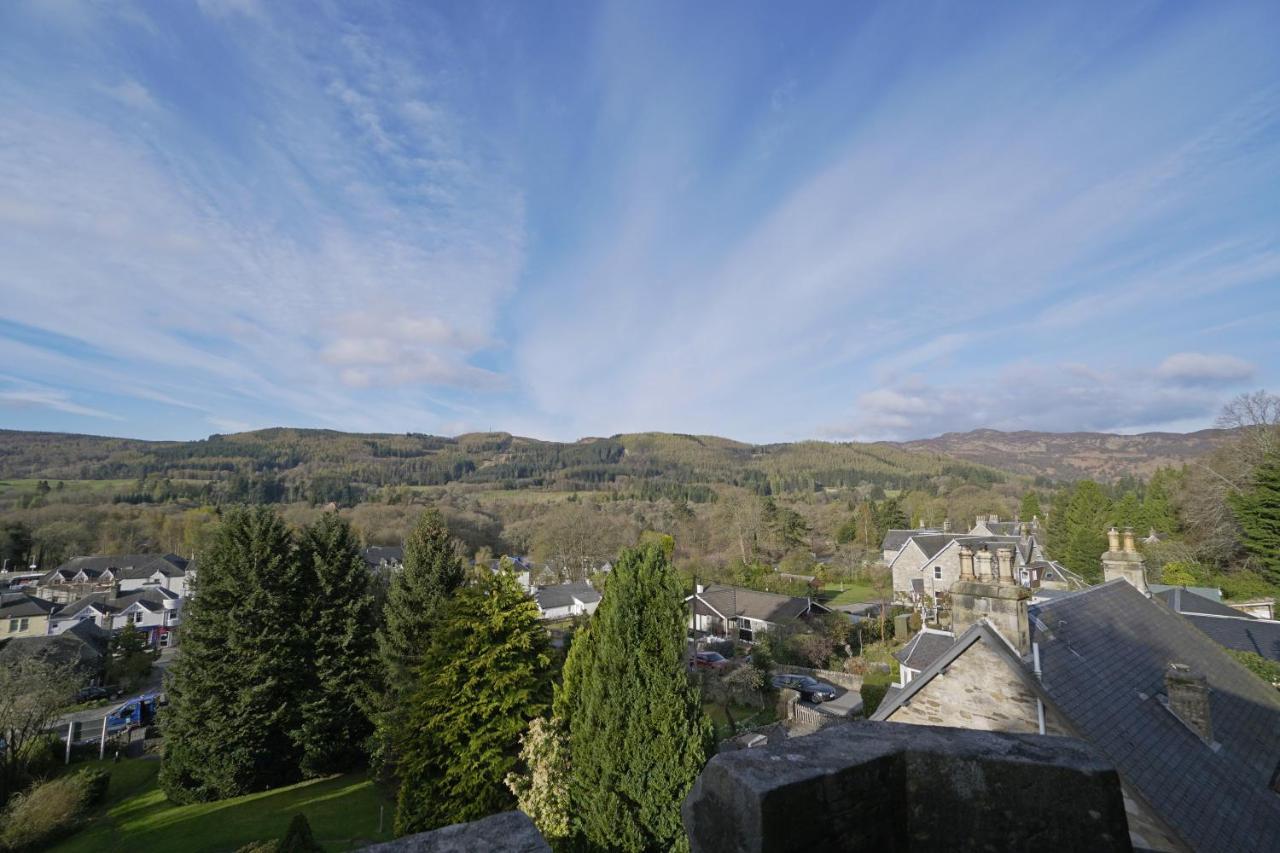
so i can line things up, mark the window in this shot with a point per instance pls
(16, 625)
(937, 573)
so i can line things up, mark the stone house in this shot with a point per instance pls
(155, 611)
(1195, 736)
(737, 613)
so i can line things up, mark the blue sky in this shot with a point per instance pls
(761, 220)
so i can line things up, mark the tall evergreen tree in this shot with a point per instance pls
(485, 675)
(637, 734)
(341, 648)
(1077, 536)
(233, 717)
(1030, 507)
(433, 571)
(1157, 510)
(1258, 512)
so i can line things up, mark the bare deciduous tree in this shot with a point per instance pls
(32, 693)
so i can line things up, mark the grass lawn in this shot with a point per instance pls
(342, 811)
(745, 717)
(851, 594)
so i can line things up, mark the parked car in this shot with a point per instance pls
(710, 660)
(809, 688)
(94, 693)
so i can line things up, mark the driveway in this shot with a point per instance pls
(848, 703)
(91, 718)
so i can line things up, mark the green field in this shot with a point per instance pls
(342, 811)
(847, 594)
(28, 487)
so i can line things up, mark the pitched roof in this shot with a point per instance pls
(731, 601)
(376, 555)
(121, 565)
(1183, 600)
(84, 645)
(924, 648)
(895, 539)
(1104, 653)
(17, 604)
(1210, 592)
(1241, 632)
(564, 594)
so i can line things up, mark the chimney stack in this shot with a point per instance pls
(966, 563)
(946, 525)
(1124, 561)
(993, 518)
(1004, 556)
(1188, 694)
(984, 570)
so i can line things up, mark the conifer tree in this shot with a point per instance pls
(1078, 533)
(1157, 510)
(433, 571)
(1258, 512)
(341, 648)
(637, 734)
(233, 714)
(1030, 507)
(485, 675)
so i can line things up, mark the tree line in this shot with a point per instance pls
(296, 664)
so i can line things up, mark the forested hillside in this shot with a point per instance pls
(285, 465)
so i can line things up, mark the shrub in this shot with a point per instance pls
(1267, 670)
(271, 845)
(96, 781)
(47, 812)
(298, 837)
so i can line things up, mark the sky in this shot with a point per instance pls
(769, 221)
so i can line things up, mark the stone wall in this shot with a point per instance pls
(978, 691)
(840, 679)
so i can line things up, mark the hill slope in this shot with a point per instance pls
(1074, 455)
(322, 464)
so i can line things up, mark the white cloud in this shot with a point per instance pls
(1196, 368)
(131, 93)
(48, 398)
(230, 424)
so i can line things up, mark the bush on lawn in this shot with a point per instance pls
(298, 838)
(50, 810)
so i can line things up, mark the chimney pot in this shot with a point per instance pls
(1128, 541)
(1188, 697)
(984, 569)
(1004, 555)
(966, 563)
(1113, 540)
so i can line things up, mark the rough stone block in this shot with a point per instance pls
(883, 786)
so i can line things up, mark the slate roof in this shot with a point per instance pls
(376, 555)
(1210, 592)
(1185, 601)
(895, 539)
(131, 566)
(933, 543)
(1241, 632)
(1103, 653)
(564, 594)
(18, 604)
(924, 648)
(152, 599)
(767, 606)
(83, 645)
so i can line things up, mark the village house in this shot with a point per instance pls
(155, 611)
(564, 600)
(111, 574)
(383, 558)
(735, 613)
(1195, 736)
(23, 615)
(82, 648)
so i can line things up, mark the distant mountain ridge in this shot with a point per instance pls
(1074, 455)
(669, 463)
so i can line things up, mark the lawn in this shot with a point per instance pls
(849, 593)
(342, 811)
(744, 716)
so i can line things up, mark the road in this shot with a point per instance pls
(91, 718)
(846, 703)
